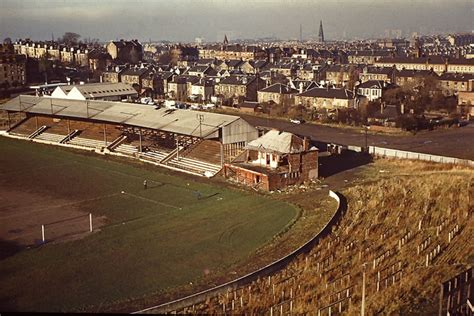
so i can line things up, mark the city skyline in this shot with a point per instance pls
(211, 19)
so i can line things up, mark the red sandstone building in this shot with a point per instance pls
(275, 160)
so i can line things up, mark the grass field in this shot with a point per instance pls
(147, 242)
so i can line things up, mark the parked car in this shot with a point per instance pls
(297, 121)
(147, 100)
(196, 107)
(170, 104)
(182, 106)
(209, 106)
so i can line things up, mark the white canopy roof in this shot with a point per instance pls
(184, 122)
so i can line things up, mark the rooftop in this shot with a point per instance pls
(182, 122)
(277, 142)
(328, 93)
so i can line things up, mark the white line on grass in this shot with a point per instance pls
(152, 201)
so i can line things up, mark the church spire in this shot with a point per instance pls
(226, 41)
(321, 32)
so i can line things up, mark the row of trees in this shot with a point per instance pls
(420, 96)
(68, 38)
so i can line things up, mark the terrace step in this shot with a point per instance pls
(154, 155)
(86, 142)
(193, 165)
(126, 149)
(54, 138)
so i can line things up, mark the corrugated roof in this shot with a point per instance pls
(96, 90)
(184, 122)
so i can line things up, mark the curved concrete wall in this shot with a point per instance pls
(265, 271)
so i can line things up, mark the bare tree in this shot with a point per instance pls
(70, 38)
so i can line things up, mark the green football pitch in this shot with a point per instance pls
(145, 241)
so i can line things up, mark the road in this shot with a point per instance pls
(452, 142)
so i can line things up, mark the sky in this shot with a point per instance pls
(185, 20)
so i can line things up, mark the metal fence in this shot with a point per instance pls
(401, 154)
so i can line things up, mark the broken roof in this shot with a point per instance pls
(277, 142)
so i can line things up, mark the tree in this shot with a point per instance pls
(297, 112)
(7, 41)
(70, 38)
(165, 58)
(44, 66)
(353, 77)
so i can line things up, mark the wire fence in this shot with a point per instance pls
(401, 154)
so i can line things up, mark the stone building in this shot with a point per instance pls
(134, 77)
(235, 87)
(367, 57)
(202, 90)
(81, 57)
(125, 51)
(112, 74)
(225, 52)
(278, 93)
(99, 60)
(338, 74)
(386, 74)
(407, 76)
(12, 70)
(328, 98)
(452, 83)
(67, 55)
(181, 87)
(372, 89)
(438, 64)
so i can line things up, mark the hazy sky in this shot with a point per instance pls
(184, 20)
